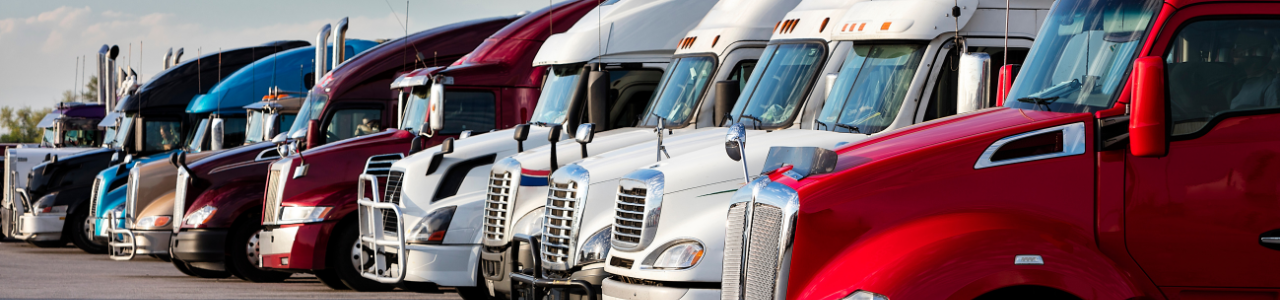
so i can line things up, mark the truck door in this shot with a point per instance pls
(1204, 221)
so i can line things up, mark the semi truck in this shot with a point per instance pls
(219, 199)
(876, 80)
(501, 68)
(156, 123)
(148, 212)
(1149, 116)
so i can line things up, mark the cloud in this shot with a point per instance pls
(41, 50)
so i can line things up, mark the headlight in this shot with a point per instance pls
(431, 229)
(596, 248)
(303, 214)
(679, 256)
(115, 211)
(864, 295)
(45, 205)
(200, 216)
(153, 221)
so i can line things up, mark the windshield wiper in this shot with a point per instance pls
(851, 128)
(1038, 101)
(757, 123)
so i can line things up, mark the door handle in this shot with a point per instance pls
(1270, 240)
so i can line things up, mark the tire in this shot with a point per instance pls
(329, 279)
(81, 233)
(242, 247)
(204, 273)
(343, 256)
(48, 244)
(182, 267)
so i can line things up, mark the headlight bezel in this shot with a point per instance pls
(864, 295)
(595, 249)
(303, 214)
(200, 216)
(44, 205)
(437, 221)
(654, 259)
(156, 221)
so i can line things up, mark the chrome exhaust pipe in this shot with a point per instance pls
(112, 79)
(102, 67)
(339, 43)
(322, 40)
(177, 57)
(167, 57)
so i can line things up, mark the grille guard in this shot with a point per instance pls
(371, 233)
(532, 283)
(121, 242)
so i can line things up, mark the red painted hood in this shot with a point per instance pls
(333, 169)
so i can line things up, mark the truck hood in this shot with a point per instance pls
(712, 165)
(613, 164)
(568, 150)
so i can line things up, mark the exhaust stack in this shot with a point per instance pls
(339, 43)
(167, 57)
(177, 57)
(110, 79)
(321, 40)
(102, 70)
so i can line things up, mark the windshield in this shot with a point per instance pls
(196, 139)
(870, 88)
(122, 132)
(680, 90)
(253, 133)
(415, 109)
(560, 85)
(1081, 58)
(312, 108)
(48, 137)
(109, 137)
(773, 94)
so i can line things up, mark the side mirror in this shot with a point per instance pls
(313, 137)
(1147, 124)
(268, 125)
(139, 133)
(128, 158)
(597, 95)
(216, 132)
(735, 145)
(415, 145)
(436, 106)
(578, 99)
(173, 160)
(971, 84)
(829, 84)
(727, 92)
(1007, 74)
(447, 146)
(520, 133)
(553, 137)
(586, 132)
(280, 139)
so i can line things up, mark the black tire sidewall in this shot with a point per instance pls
(238, 261)
(338, 262)
(75, 227)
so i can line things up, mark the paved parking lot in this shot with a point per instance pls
(68, 273)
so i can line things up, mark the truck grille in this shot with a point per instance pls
(628, 224)
(496, 206)
(271, 207)
(180, 197)
(380, 165)
(761, 275)
(93, 196)
(131, 198)
(393, 196)
(558, 226)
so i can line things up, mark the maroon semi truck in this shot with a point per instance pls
(309, 219)
(220, 225)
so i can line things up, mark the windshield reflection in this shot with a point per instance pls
(870, 88)
(773, 94)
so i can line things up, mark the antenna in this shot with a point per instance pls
(1006, 32)
(600, 32)
(199, 75)
(75, 80)
(140, 57)
(215, 111)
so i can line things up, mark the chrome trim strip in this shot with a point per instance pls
(1073, 143)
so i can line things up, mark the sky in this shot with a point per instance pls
(43, 39)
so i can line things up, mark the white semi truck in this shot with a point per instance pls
(892, 64)
(604, 69)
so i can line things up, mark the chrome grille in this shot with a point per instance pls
(380, 165)
(393, 196)
(93, 196)
(558, 224)
(628, 224)
(180, 198)
(761, 277)
(271, 207)
(131, 198)
(496, 205)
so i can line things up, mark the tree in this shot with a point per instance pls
(20, 124)
(89, 95)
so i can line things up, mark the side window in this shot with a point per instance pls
(468, 110)
(942, 99)
(233, 131)
(162, 136)
(349, 123)
(742, 71)
(629, 94)
(285, 121)
(1221, 66)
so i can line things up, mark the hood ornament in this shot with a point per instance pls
(662, 150)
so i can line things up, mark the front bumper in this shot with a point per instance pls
(617, 290)
(126, 243)
(202, 248)
(444, 265)
(295, 247)
(583, 284)
(39, 228)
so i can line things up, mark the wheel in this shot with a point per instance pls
(80, 229)
(244, 257)
(182, 267)
(344, 260)
(48, 244)
(330, 279)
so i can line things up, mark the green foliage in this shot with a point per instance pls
(90, 93)
(20, 124)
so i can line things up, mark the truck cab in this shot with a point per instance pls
(1148, 114)
(876, 78)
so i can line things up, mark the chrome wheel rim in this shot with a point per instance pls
(252, 250)
(88, 228)
(355, 254)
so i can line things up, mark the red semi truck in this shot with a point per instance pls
(493, 88)
(1134, 158)
(220, 224)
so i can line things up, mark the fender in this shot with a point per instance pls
(966, 254)
(340, 196)
(231, 199)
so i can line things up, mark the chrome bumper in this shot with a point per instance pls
(617, 290)
(389, 253)
(43, 227)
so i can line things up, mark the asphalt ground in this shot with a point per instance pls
(29, 272)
